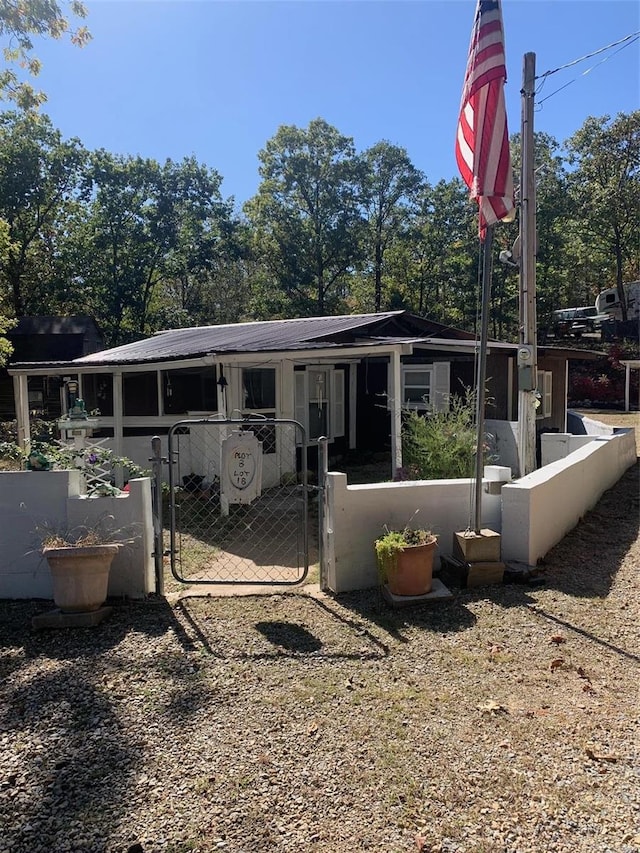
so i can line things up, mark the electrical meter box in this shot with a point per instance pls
(241, 467)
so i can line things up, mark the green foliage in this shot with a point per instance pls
(392, 542)
(152, 232)
(5, 347)
(389, 189)
(142, 246)
(605, 187)
(94, 461)
(441, 445)
(306, 218)
(40, 180)
(22, 20)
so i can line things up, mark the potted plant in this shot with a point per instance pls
(80, 561)
(405, 560)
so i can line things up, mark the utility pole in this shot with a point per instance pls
(527, 350)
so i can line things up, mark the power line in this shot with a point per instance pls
(623, 42)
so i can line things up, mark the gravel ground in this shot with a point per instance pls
(504, 721)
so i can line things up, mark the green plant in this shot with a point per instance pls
(392, 542)
(442, 445)
(97, 463)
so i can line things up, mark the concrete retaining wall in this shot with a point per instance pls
(33, 503)
(541, 508)
(357, 515)
(532, 514)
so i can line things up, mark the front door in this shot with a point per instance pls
(320, 401)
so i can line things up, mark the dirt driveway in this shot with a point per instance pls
(503, 720)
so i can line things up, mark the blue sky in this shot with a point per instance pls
(216, 79)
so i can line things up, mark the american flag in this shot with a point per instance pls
(482, 144)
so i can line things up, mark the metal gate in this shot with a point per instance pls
(238, 507)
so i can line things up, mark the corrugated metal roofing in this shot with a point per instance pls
(268, 335)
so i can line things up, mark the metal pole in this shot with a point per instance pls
(528, 357)
(156, 502)
(482, 370)
(323, 468)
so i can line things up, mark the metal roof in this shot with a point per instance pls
(273, 335)
(307, 333)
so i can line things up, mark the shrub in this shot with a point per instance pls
(602, 381)
(96, 463)
(442, 445)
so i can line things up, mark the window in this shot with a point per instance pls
(259, 389)
(426, 386)
(416, 387)
(259, 398)
(189, 390)
(319, 401)
(97, 393)
(140, 393)
(545, 387)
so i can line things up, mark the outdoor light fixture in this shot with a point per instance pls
(222, 382)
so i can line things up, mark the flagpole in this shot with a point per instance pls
(481, 381)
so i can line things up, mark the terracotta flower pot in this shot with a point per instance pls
(412, 572)
(80, 575)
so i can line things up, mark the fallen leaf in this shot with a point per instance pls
(312, 728)
(601, 756)
(558, 639)
(420, 843)
(556, 664)
(582, 673)
(493, 707)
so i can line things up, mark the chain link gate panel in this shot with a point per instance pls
(238, 506)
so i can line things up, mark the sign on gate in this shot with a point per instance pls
(241, 467)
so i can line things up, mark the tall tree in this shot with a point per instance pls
(148, 226)
(389, 193)
(40, 173)
(306, 216)
(20, 21)
(434, 266)
(605, 186)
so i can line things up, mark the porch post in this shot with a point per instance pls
(21, 397)
(117, 422)
(627, 386)
(395, 401)
(353, 403)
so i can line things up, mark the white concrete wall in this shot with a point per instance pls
(533, 514)
(34, 502)
(541, 508)
(591, 426)
(357, 515)
(506, 443)
(558, 445)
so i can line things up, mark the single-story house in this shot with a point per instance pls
(345, 377)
